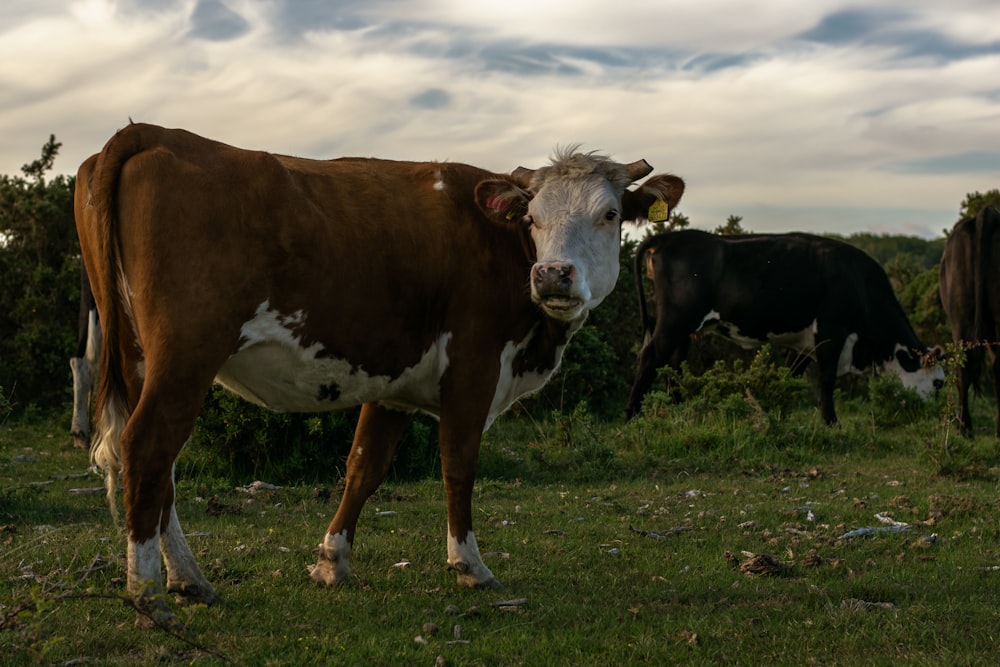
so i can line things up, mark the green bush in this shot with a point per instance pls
(39, 285)
(241, 441)
(733, 387)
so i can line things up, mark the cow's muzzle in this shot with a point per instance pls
(552, 286)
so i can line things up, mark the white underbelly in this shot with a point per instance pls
(289, 379)
(803, 340)
(273, 369)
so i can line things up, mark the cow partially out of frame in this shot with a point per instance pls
(822, 298)
(83, 363)
(307, 285)
(970, 293)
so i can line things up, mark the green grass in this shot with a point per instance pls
(614, 537)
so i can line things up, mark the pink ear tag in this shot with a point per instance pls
(496, 203)
(499, 204)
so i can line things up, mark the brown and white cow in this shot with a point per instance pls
(307, 285)
(970, 294)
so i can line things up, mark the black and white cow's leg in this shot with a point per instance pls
(84, 368)
(460, 435)
(995, 359)
(829, 356)
(184, 577)
(379, 429)
(82, 382)
(968, 373)
(655, 354)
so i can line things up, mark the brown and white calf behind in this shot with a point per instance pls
(307, 285)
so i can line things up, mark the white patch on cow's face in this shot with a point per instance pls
(577, 222)
(143, 560)
(924, 381)
(273, 369)
(438, 181)
(464, 557)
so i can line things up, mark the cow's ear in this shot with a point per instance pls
(502, 200)
(653, 200)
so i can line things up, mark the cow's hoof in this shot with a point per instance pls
(194, 593)
(327, 573)
(153, 612)
(471, 577)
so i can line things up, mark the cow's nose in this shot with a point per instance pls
(552, 277)
(939, 384)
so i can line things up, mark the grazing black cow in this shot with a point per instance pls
(84, 363)
(823, 298)
(970, 294)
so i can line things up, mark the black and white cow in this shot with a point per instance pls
(83, 363)
(823, 298)
(970, 294)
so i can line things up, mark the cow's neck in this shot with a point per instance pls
(526, 365)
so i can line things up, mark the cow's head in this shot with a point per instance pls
(921, 372)
(573, 210)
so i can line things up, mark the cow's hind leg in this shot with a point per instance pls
(151, 441)
(995, 359)
(828, 359)
(375, 437)
(654, 355)
(80, 426)
(184, 578)
(968, 375)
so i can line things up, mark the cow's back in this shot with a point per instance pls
(359, 249)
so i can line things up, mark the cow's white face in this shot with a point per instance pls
(575, 225)
(923, 378)
(574, 209)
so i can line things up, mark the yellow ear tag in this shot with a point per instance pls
(659, 211)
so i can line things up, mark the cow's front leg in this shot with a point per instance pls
(460, 437)
(375, 437)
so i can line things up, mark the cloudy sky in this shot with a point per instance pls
(825, 116)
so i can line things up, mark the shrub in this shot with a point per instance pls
(740, 389)
(241, 441)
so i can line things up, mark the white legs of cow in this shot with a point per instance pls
(183, 575)
(84, 367)
(464, 558)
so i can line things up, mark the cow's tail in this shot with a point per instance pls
(639, 262)
(113, 404)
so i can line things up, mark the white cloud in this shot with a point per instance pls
(785, 127)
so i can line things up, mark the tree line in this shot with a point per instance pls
(40, 290)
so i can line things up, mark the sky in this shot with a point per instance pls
(824, 116)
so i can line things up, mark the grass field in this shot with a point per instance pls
(729, 536)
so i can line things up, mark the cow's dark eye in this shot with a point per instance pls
(611, 215)
(528, 221)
